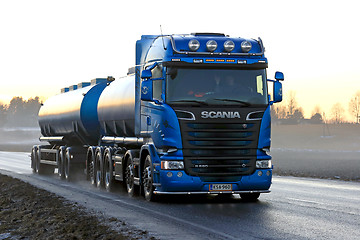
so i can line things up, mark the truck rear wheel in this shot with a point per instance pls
(147, 181)
(130, 177)
(99, 168)
(108, 169)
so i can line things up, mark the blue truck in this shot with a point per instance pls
(192, 117)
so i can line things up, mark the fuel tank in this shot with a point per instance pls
(73, 114)
(116, 108)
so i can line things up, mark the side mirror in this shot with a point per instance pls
(146, 74)
(279, 76)
(277, 91)
(147, 89)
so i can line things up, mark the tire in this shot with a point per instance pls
(61, 169)
(33, 159)
(91, 166)
(147, 180)
(249, 197)
(67, 166)
(129, 177)
(99, 168)
(109, 180)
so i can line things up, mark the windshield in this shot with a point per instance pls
(216, 86)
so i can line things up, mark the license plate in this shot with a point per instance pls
(220, 187)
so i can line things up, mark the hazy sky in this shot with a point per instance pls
(47, 45)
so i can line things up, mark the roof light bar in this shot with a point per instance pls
(246, 46)
(211, 45)
(229, 46)
(194, 45)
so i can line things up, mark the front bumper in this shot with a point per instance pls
(185, 184)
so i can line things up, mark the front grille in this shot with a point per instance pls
(220, 148)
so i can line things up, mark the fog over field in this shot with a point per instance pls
(318, 150)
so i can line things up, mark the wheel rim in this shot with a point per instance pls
(61, 164)
(37, 164)
(91, 171)
(60, 171)
(66, 167)
(147, 180)
(129, 175)
(107, 172)
(98, 171)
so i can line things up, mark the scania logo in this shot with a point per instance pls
(213, 114)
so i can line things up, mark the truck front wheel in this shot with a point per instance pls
(148, 187)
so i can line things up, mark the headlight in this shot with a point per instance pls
(172, 165)
(263, 164)
(246, 46)
(229, 46)
(211, 45)
(194, 45)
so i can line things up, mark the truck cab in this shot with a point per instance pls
(204, 110)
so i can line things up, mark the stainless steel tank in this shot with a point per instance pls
(116, 108)
(73, 114)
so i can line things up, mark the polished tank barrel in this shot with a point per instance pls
(116, 108)
(73, 114)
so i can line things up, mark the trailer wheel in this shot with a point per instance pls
(108, 169)
(62, 156)
(91, 167)
(148, 187)
(130, 177)
(33, 159)
(99, 168)
(67, 166)
(249, 197)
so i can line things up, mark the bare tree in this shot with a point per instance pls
(337, 111)
(291, 103)
(354, 106)
(278, 111)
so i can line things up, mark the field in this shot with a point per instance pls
(321, 151)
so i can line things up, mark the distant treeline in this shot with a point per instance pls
(20, 112)
(289, 112)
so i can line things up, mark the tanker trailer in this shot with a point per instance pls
(68, 121)
(192, 118)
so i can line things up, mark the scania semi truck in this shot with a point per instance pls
(192, 117)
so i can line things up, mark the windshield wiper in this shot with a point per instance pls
(190, 101)
(233, 100)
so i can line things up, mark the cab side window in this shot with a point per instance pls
(157, 75)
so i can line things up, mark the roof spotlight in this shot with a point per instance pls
(246, 46)
(211, 45)
(194, 45)
(229, 46)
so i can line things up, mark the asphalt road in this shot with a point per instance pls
(297, 208)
